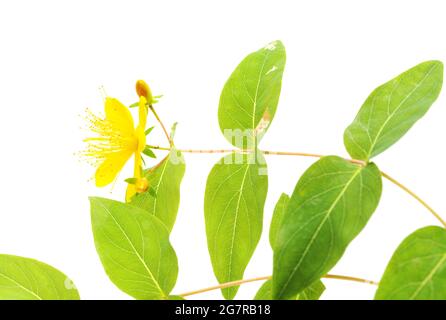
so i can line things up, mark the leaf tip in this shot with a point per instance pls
(276, 45)
(92, 199)
(434, 66)
(229, 293)
(438, 63)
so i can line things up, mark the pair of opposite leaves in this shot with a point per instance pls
(332, 201)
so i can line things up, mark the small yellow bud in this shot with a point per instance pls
(143, 90)
(142, 185)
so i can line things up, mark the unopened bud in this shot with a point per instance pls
(143, 90)
(141, 185)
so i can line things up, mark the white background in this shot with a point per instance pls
(55, 54)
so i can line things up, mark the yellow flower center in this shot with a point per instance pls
(108, 141)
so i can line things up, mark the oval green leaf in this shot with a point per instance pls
(279, 211)
(249, 98)
(165, 179)
(417, 269)
(265, 292)
(313, 292)
(392, 109)
(28, 279)
(134, 249)
(234, 199)
(330, 205)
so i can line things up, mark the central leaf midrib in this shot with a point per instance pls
(257, 92)
(429, 277)
(375, 141)
(329, 211)
(159, 183)
(21, 286)
(136, 252)
(235, 222)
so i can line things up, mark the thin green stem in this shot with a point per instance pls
(314, 155)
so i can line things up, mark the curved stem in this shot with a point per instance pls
(268, 152)
(224, 285)
(314, 155)
(239, 282)
(161, 124)
(196, 150)
(348, 278)
(414, 195)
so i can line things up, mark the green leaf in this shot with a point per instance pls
(330, 205)
(392, 109)
(148, 152)
(233, 205)
(29, 279)
(417, 270)
(173, 130)
(151, 191)
(131, 180)
(157, 98)
(279, 211)
(265, 291)
(173, 297)
(134, 249)
(313, 292)
(165, 180)
(148, 131)
(249, 98)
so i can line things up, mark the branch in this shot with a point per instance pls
(239, 282)
(161, 124)
(415, 196)
(313, 155)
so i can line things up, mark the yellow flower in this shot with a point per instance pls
(116, 141)
(143, 90)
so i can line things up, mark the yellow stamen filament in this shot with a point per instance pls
(109, 140)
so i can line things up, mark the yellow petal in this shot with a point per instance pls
(131, 188)
(119, 115)
(131, 191)
(142, 113)
(109, 169)
(141, 139)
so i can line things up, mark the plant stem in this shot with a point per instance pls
(414, 195)
(348, 278)
(314, 155)
(268, 152)
(224, 285)
(239, 282)
(196, 150)
(161, 124)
